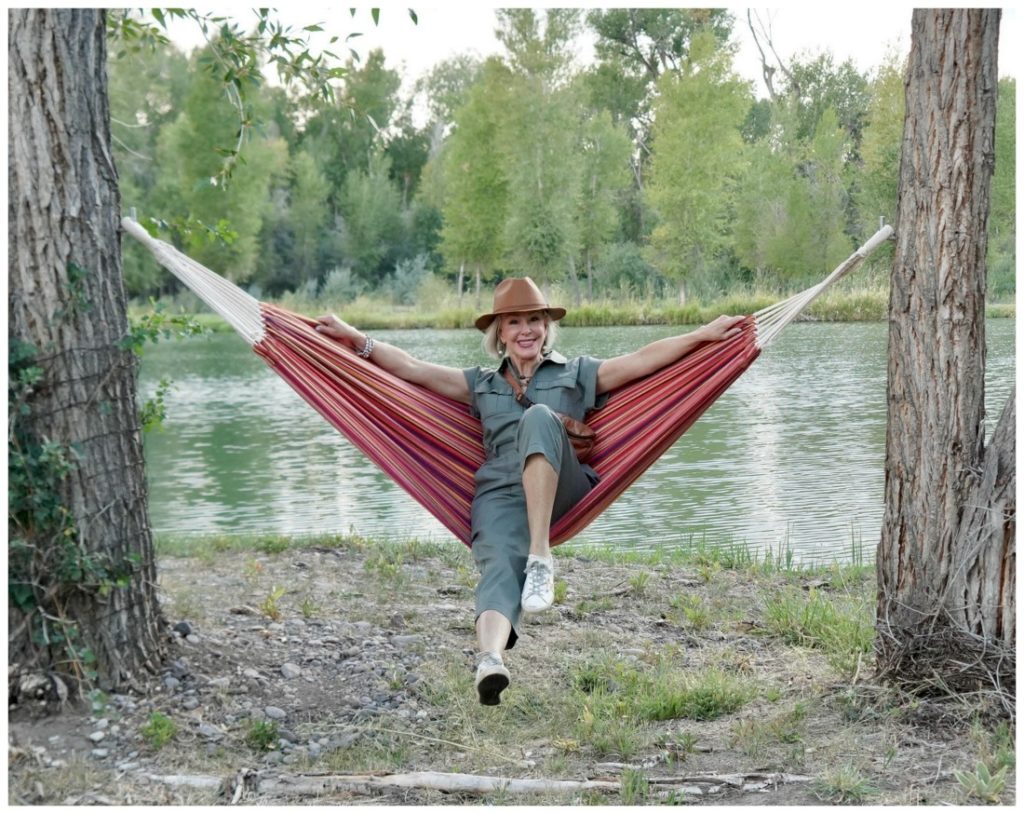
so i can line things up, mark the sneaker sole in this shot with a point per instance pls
(490, 687)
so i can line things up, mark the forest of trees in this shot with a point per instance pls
(654, 171)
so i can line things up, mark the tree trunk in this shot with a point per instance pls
(462, 279)
(929, 618)
(96, 573)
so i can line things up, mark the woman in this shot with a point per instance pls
(531, 475)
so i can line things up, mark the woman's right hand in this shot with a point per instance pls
(336, 328)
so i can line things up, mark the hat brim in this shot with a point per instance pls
(483, 322)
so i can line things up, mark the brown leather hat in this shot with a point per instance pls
(514, 295)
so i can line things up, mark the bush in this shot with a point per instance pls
(341, 286)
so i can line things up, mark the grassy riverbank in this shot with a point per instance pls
(445, 311)
(663, 677)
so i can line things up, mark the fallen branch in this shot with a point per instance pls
(313, 785)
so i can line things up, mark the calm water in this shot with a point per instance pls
(791, 456)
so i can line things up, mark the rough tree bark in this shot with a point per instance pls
(946, 557)
(67, 301)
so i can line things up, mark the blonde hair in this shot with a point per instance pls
(493, 346)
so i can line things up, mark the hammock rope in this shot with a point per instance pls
(430, 445)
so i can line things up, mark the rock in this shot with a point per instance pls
(221, 682)
(183, 628)
(290, 759)
(249, 672)
(295, 623)
(127, 766)
(97, 736)
(273, 758)
(190, 703)
(193, 638)
(314, 750)
(277, 627)
(179, 668)
(171, 683)
(407, 641)
(99, 754)
(103, 723)
(289, 670)
(362, 627)
(287, 734)
(275, 713)
(211, 732)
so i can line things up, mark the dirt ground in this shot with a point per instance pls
(314, 665)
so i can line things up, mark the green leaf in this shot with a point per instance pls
(413, 17)
(375, 13)
(158, 15)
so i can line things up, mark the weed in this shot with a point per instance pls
(252, 570)
(707, 570)
(633, 788)
(269, 606)
(701, 697)
(262, 736)
(844, 630)
(983, 784)
(561, 591)
(274, 545)
(844, 785)
(159, 730)
(750, 737)
(694, 610)
(585, 606)
(638, 583)
(309, 607)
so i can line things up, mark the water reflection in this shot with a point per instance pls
(791, 456)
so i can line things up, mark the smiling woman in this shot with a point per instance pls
(531, 475)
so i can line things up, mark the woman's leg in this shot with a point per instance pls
(540, 482)
(492, 632)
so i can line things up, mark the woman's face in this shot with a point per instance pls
(524, 334)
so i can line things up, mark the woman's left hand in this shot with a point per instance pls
(724, 327)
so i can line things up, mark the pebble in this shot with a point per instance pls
(96, 737)
(249, 672)
(193, 638)
(362, 627)
(222, 682)
(171, 683)
(102, 723)
(190, 703)
(184, 628)
(208, 731)
(289, 670)
(99, 754)
(314, 750)
(179, 668)
(276, 713)
(127, 766)
(273, 758)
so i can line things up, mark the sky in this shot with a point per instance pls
(856, 31)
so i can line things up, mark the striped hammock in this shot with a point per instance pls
(430, 445)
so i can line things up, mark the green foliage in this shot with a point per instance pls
(697, 157)
(47, 563)
(843, 628)
(262, 736)
(844, 784)
(159, 730)
(983, 784)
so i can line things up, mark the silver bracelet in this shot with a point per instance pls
(367, 348)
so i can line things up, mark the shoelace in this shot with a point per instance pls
(536, 577)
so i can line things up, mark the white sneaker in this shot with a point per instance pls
(539, 590)
(492, 677)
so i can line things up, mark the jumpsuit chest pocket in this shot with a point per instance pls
(560, 394)
(494, 397)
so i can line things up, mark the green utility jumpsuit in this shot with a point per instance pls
(500, 532)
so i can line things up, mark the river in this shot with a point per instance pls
(789, 459)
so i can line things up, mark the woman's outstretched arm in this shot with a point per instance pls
(446, 381)
(621, 370)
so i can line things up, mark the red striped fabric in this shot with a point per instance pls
(432, 447)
